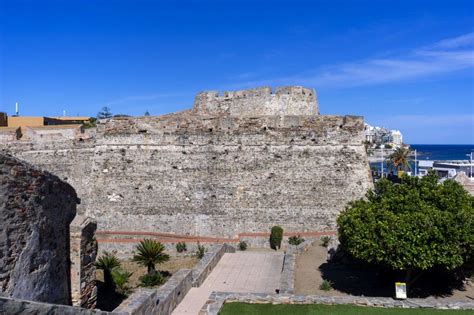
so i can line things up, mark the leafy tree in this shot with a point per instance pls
(413, 226)
(276, 236)
(104, 113)
(107, 262)
(400, 159)
(150, 253)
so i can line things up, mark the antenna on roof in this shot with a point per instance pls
(17, 109)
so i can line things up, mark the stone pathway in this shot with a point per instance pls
(244, 272)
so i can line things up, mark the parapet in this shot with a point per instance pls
(285, 101)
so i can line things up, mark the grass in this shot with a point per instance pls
(300, 309)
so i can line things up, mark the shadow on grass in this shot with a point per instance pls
(352, 276)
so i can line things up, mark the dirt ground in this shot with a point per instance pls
(171, 266)
(360, 279)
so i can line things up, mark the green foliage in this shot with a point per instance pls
(276, 236)
(243, 245)
(326, 285)
(150, 253)
(325, 241)
(388, 146)
(416, 225)
(200, 251)
(121, 278)
(181, 247)
(107, 262)
(104, 113)
(152, 279)
(400, 159)
(295, 240)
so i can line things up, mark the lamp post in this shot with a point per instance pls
(416, 166)
(381, 163)
(470, 163)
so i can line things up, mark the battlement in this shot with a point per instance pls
(285, 101)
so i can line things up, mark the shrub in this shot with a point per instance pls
(325, 241)
(326, 285)
(243, 245)
(151, 279)
(121, 278)
(200, 251)
(295, 240)
(150, 252)
(181, 247)
(107, 262)
(276, 236)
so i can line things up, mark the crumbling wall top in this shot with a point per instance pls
(290, 100)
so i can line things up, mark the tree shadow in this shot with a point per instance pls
(355, 277)
(107, 298)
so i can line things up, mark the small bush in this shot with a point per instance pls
(107, 262)
(243, 245)
(276, 236)
(151, 279)
(295, 240)
(121, 278)
(200, 251)
(325, 241)
(181, 247)
(326, 285)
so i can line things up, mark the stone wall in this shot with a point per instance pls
(214, 174)
(292, 100)
(83, 252)
(36, 209)
(158, 301)
(209, 262)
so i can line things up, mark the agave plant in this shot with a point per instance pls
(150, 253)
(107, 262)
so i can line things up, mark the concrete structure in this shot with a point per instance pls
(240, 162)
(36, 209)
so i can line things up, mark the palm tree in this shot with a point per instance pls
(150, 252)
(107, 262)
(400, 159)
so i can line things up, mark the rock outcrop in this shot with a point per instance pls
(36, 209)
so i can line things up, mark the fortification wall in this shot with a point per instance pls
(216, 176)
(291, 100)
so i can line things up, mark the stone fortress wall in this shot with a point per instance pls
(240, 162)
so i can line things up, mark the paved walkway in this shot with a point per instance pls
(255, 272)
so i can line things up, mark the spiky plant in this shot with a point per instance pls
(121, 278)
(149, 253)
(107, 262)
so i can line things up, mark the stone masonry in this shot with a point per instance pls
(36, 209)
(237, 162)
(82, 255)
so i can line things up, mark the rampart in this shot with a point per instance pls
(232, 164)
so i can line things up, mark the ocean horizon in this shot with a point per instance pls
(443, 151)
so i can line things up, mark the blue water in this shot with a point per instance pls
(443, 151)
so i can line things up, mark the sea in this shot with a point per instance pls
(443, 151)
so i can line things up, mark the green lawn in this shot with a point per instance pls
(293, 309)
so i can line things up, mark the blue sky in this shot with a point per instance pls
(406, 65)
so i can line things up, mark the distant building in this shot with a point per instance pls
(377, 136)
(444, 169)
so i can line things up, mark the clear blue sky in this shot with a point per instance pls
(405, 65)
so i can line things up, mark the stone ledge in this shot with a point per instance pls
(17, 307)
(287, 277)
(217, 299)
(158, 301)
(208, 262)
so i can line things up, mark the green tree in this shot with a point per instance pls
(400, 159)
(276, 236)
(104, 113)
(150, 253)
(121, 278)
(107, 262)
(413, 226)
